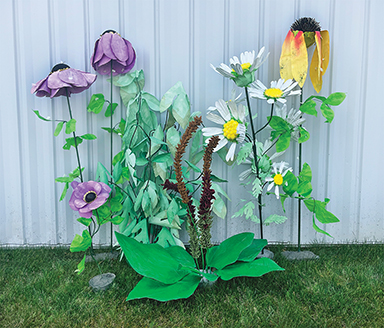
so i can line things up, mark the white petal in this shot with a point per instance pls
(270, 186)
(233, 108)
(245, 174)
(211, 131)
(221, 144)
(281, 100)
(215, 118)
(241, 111)
(277, 192)
(271, 101)
(279, 84)
(223, 109)
(286, 84)
(231, 153)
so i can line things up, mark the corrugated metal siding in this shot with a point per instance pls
(176, 40)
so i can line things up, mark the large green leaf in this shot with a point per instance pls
(181, 256)
(229, 250)
(81, 243)
(152, 102)
(335, 98)
(309, 107)
(290, 183)
(151, 260)
(283, 142)
(149, 288)
(250, 253)
(96, 103)
(172, 138)
(248, 269)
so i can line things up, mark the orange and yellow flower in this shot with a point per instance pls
(304, 33)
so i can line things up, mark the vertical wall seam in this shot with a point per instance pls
(17, 80)
(191, 50)
(54, 157)
(328, 127)
(157, 47)
(363, 94)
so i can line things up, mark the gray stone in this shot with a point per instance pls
(102, 256)
(102, 282)
(299, 256)
(267, 253)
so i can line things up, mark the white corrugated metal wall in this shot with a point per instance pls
(176, 40)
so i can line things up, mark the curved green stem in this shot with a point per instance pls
(74, 136)
(254, 149)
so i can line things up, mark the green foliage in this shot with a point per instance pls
(81, 243)
(171, 273)
(96, 103)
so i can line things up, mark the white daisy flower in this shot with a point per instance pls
(232, 120)
(248, 63)
(293, 117)
(279, 171)
(277, 92)
(268, 144)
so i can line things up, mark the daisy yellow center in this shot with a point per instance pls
(244, 66)
(278, 179)
(230, 130)
(273, 93)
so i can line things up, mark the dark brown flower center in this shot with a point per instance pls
(59, 67)
(90, 196)
(306, 24)
(109, 31)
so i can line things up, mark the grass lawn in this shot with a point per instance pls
(344, 288)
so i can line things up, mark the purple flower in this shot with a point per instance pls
(112, 47)
(62, 79)
(88, 196)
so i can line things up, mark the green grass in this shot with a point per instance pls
(345, 288)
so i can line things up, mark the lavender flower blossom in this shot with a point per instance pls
(112, 47)
(63, 81)
(88, 196)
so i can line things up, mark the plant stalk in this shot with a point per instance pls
(254, 149)
(299, 200)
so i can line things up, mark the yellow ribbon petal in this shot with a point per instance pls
(285, 57)
(324, 51)
(299, 59)
(315, 68)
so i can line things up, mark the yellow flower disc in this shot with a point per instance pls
(244, 66)
(273, 93)
(230, 130)
(278, 179)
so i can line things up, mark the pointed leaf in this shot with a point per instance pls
(58, 129)
(304, 135)
(309, 107)
(85, 221)
(229, 250)
(335, 98)
(165, 238)
(149, 288)
(181, 255)
(250, 253)
(70, 126)
(255, 268)
(327, 112)
(151, 260)
(96, 103)
(81, 243)
(81, 265)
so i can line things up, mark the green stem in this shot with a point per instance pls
(299, 201)
(74, 136)
(111, 104)
(254, 149)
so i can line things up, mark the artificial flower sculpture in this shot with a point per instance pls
(233, 127)
(63, 81)
(88, 196)
(303, 33)
(113, 52)
(276, 93)
(242, 71)
(279, 171)
(294, 118)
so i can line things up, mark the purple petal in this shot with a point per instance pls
(97, 203)
(37, 85)
(105, 187)
(119, 68)
(73, 77)
(104, 69)
(105, 42)
(85, 213)
(119, 48)
(97, 53)
(90, 78)
(74, 184)
(43, 90)
(54, 81)
(79, 203)
(131, 53)
(60, 92)
(95, 186)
